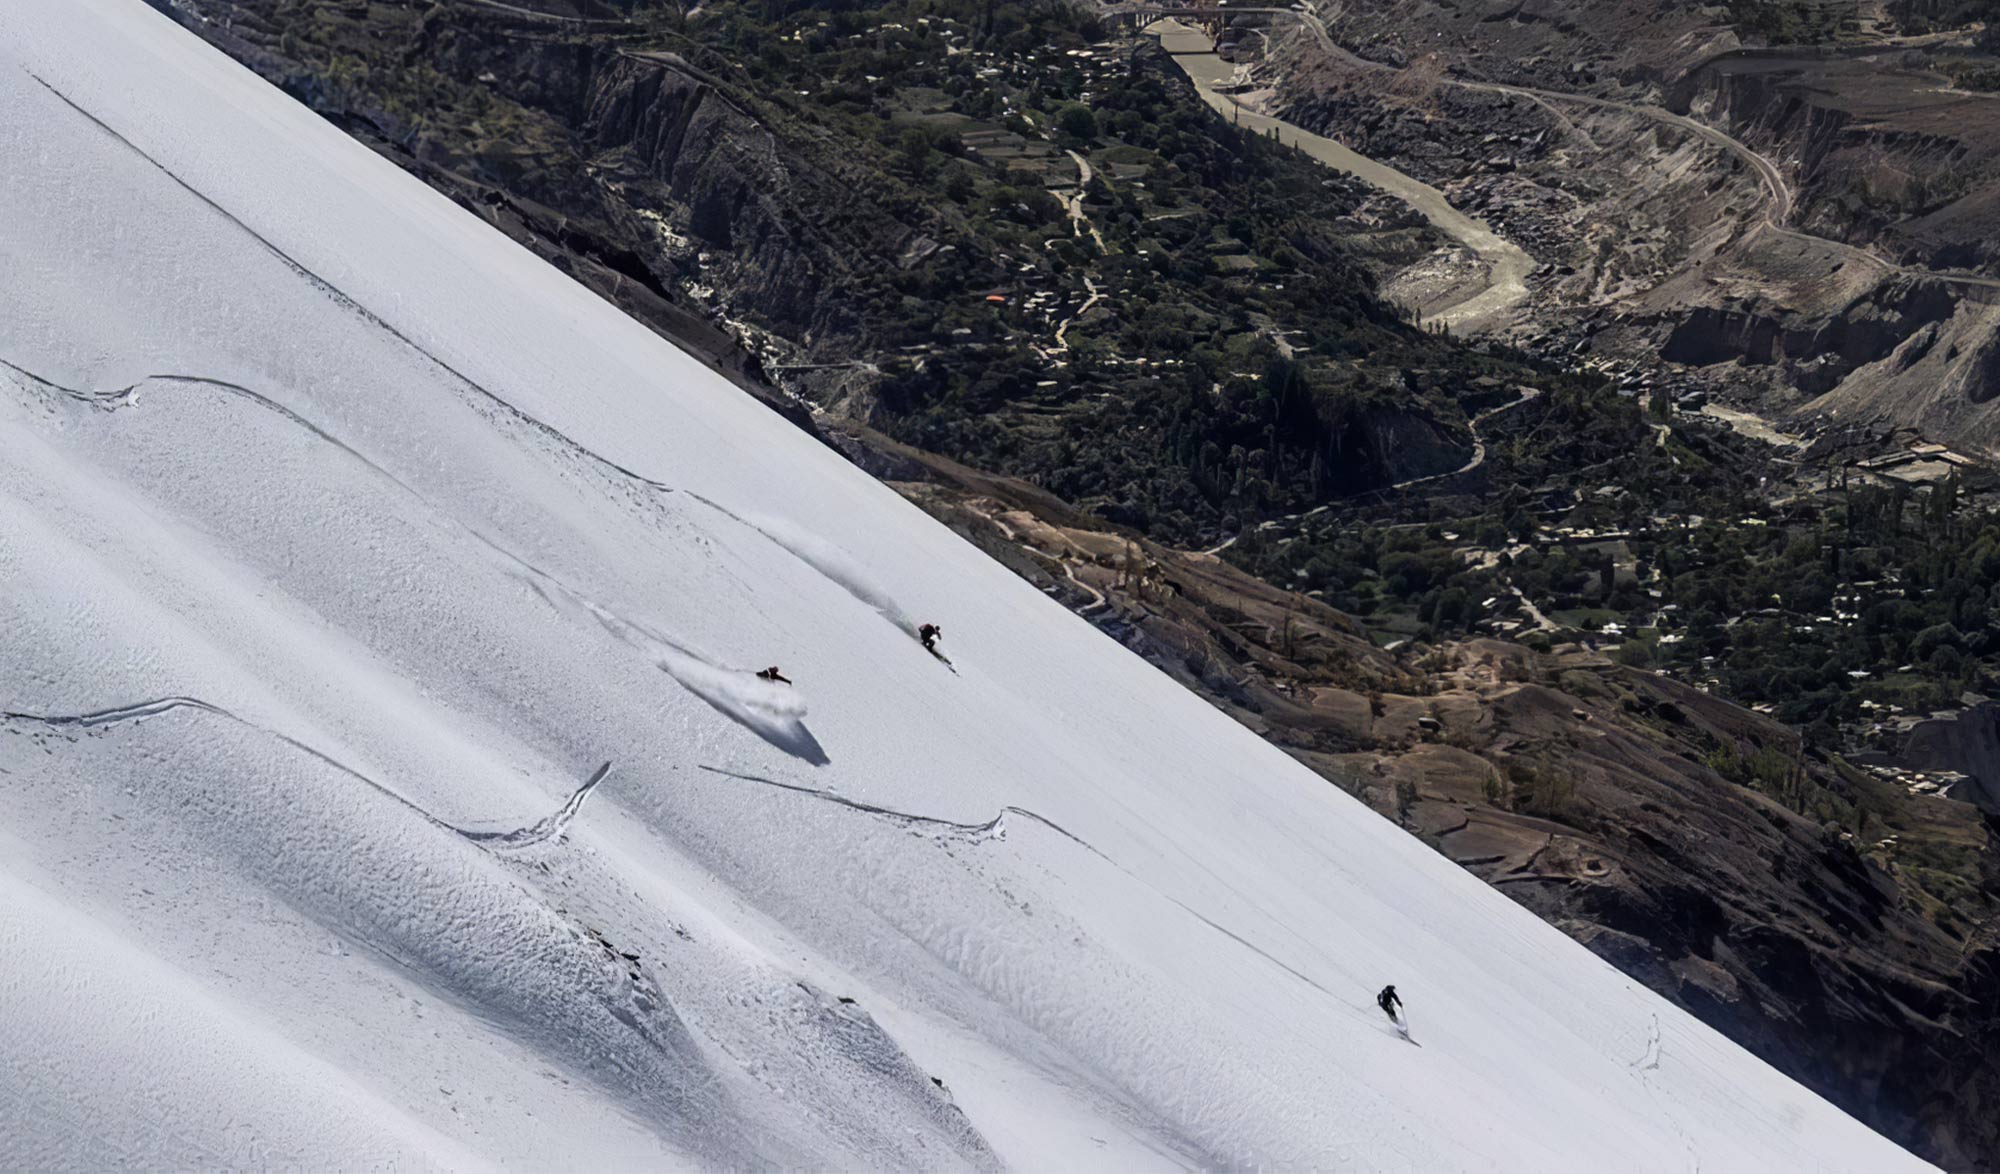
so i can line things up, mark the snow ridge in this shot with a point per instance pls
(348, 302)
(553, 827)
(992, 829)
(544, 830)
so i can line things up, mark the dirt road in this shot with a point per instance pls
(1779, 197)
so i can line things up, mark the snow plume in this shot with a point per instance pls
(836, 564)
(822, 556)
(772, 710)
(732, 689)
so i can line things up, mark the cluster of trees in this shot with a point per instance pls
(1878, 594)
(1883, 596)
(1924, 16)
(1795, 22)
(1239, 364)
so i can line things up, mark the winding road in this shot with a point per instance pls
(1098, 602)
(1079, 219)
(1478, 458)
(1478, 442)
(1062, 330)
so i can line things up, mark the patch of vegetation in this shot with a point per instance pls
(1847, 609)
(1981, 74)
(1942, 849)
(1795, 22)
(1537, 786)
(1926, 16)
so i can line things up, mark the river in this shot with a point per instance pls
(1507, 266)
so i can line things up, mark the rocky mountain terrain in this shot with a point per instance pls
(1793, 201)
(1132, 365)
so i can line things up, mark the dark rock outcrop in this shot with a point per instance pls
(1816, 353)
(1967, 742)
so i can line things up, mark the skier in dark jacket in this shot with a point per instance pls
(929, 633)
(772, 674)
(1389, 1001)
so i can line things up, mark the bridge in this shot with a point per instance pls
(1207, 16)
(1212, 17)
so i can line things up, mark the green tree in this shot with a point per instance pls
(914, 149)
(1076, 121)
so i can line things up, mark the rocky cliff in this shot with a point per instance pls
(1884, 151)
(1967, 742)
(1870, 298)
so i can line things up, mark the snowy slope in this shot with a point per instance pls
(343, 543)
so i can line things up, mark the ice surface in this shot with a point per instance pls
(343, 545)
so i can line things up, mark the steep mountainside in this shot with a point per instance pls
(675, 169)
(386, 782)
(1686, 841)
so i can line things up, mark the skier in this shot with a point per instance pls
(929, 633)
(1390, 1001)
(772, 674)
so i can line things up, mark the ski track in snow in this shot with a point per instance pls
(1650, 1062)
(355, 307)
(826, 558)
(773, 711)
(545, 830)
(538, 975)
(128, 396)
(700, 675)
(994, 828)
